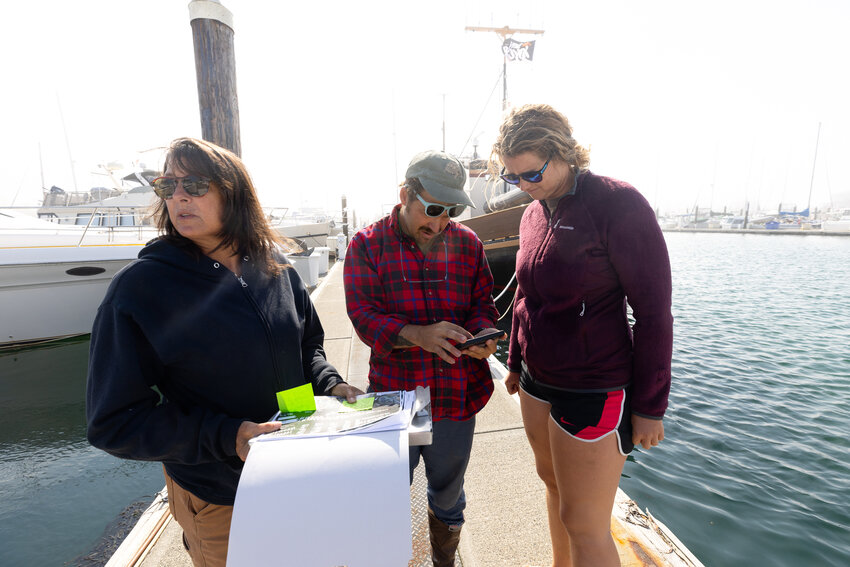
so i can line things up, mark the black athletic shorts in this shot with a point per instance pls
(586, 416)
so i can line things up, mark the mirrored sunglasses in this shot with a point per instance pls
(164, 187)
(436, 210)
(530, 176)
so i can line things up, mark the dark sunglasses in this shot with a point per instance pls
(193, 185)
(436, 210)
(530, 176)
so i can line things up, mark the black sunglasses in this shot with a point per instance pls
(436, 210)
(164, 187)
(530, 176)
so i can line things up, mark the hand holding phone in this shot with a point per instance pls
(480, 340)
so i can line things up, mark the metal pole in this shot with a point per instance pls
(444, 122)
(504, 83)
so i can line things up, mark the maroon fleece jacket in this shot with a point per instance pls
(576, 270)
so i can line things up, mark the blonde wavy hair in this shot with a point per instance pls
(539, 129)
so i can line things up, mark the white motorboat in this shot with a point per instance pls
(732, 223)
(102, 207)
(311, 229)
(53, 277)
(839, 225)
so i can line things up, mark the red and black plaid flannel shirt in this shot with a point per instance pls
(390, 283)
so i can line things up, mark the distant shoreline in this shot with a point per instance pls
(771, 232)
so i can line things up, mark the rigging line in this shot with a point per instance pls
(510, 281)
(486, 104)
(508, 310)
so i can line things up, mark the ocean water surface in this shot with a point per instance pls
(57, 493)
(755, 466)
(755, 469)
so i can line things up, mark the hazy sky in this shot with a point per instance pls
(710, 103)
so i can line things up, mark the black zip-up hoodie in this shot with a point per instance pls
(217, 348)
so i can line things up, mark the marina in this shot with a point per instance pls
(752, 469)
(497, 226)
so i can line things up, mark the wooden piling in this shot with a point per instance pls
(215, 67)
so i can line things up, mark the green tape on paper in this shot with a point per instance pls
(297, 400)
(362, 404)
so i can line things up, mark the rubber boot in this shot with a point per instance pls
(444, 541)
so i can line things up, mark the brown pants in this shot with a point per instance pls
(206, 527)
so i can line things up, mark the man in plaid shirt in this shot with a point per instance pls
(416, 285)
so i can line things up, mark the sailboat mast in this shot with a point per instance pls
(504, 83)
(67, 143)
(444, 121)
(504, 33)
(41, 166)
(814, 163)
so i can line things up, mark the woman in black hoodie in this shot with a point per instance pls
(193, 340)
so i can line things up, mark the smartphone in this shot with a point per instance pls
(479, 340)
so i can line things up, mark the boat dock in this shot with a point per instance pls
(506, 520)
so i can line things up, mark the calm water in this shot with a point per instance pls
(57, 493)
(754, 470)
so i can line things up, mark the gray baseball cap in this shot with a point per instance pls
(442, 175)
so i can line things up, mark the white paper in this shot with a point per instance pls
(330, 420)
(324, 502)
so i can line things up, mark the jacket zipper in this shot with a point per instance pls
(554, 223)
(266, 327)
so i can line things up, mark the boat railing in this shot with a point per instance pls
(103, 225)
(281, 216)
(113, 231)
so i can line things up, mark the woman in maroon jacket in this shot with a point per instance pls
(591, 385)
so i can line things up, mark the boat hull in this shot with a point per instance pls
(842, 225)
(50, 293)
(312, 234)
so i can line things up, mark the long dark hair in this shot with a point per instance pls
(245, 227)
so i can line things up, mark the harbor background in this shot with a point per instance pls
(692, 106)
(752, 468)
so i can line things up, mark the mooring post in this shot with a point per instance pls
(215, 67)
